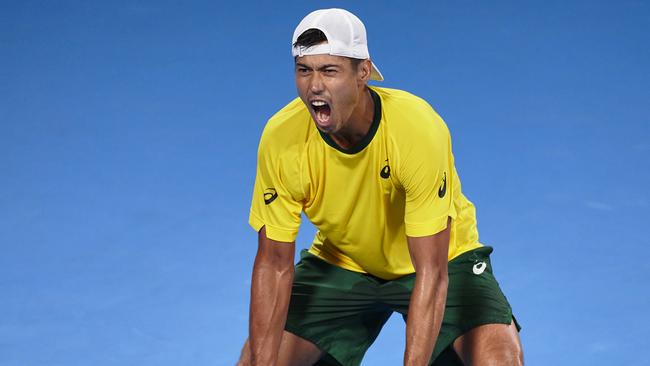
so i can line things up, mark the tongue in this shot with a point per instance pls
(323, 114)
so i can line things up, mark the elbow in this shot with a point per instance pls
(443, 281)
(285, 271)
(435, 273)
(280, 266)
(434, 278)
(440, 285)
(274, 263)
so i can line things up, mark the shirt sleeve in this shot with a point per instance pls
(427, 178)
(272, 204)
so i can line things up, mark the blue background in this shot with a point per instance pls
(128, 135)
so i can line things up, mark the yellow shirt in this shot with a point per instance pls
(399, 180)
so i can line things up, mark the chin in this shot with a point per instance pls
(325, 129)
(329, 128)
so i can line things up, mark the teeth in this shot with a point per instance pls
(318, 103)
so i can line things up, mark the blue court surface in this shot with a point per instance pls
(128, 137)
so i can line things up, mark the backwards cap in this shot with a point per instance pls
(346, 36)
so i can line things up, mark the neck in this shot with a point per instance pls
(359, 123)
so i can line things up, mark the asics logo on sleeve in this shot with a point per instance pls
(385, 171)
(443, 186)
(270, 194)
(479, 268)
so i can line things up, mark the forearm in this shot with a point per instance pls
(426, 310)
(270, 294)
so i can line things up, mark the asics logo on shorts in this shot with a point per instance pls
(479, 268)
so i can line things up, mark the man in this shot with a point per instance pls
(373, 169)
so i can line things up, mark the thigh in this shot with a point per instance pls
(478, 317)
(473, 299)
(294, 351)
(490, 344)
(335, 309)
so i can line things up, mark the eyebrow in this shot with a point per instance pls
(323, 67)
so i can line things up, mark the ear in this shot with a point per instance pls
(364, 69)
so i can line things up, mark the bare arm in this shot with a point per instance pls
(427, 306)
(270, 294)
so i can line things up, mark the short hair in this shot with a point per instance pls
(310, 37)
(313, 36)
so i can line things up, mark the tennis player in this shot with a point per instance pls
(372, 168)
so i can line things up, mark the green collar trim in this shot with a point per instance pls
(365, 141)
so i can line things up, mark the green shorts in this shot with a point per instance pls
(343, 311)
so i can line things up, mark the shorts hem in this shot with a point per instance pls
(322, 345)
(486, 322)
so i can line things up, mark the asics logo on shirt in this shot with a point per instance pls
(443, 186)
(385, 171)
(270, 194)
(479, 268)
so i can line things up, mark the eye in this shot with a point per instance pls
(330, 71)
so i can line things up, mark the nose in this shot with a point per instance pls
(316, 83)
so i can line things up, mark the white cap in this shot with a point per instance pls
(346, 36)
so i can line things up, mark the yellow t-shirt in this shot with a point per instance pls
(399, 180)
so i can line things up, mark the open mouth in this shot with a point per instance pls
(322, 111)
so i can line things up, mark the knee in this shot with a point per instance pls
(506, 349)
(490, 345)
(509, 354)
(515, 351)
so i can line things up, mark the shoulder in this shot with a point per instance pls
(400, 98)
(408, 116)
(287, 127)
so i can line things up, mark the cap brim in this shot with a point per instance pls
(375, 74)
